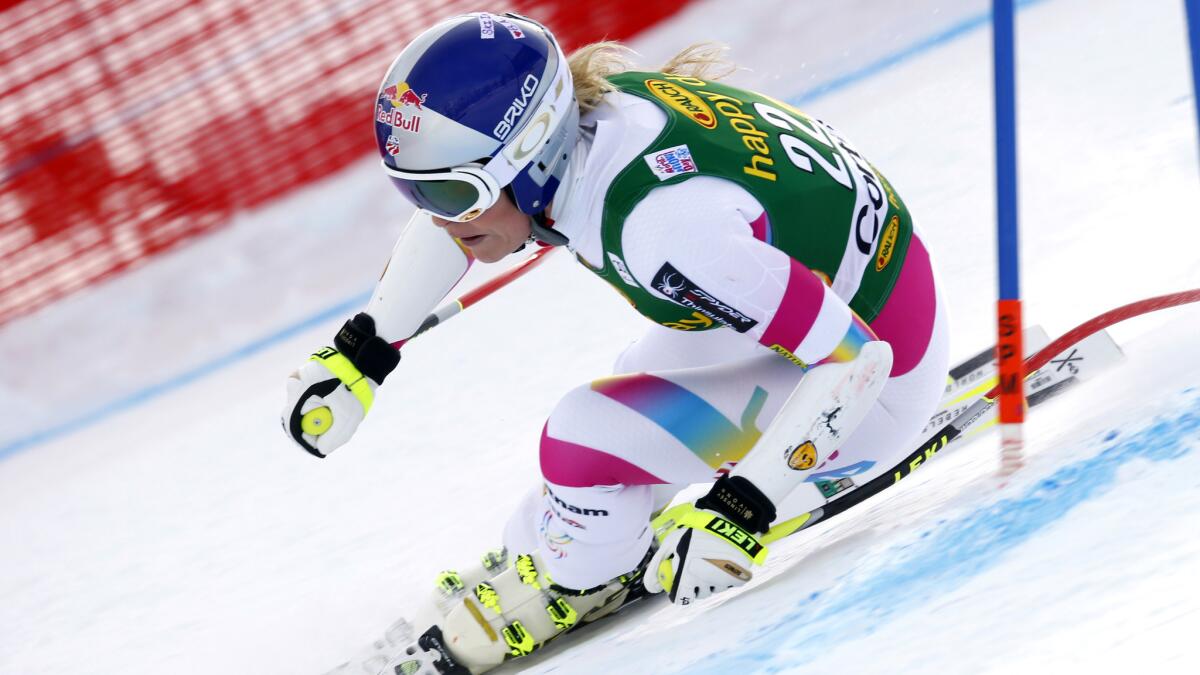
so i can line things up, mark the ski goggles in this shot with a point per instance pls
(460, 193)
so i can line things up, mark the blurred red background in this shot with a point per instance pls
(129, 126)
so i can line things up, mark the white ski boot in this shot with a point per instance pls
(477, 621)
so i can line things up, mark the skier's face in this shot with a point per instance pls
(497, 232)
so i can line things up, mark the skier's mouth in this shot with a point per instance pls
(471, 241)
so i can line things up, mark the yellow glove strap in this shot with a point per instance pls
(687, 515)
(356, 382)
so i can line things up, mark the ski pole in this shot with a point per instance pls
(441, 314)
(972, 414)
(448, 310)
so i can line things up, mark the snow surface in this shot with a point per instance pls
(153, 518)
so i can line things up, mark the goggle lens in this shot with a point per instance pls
(445, 198)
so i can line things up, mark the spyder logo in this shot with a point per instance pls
(668, 287)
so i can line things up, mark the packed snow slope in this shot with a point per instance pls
(154, 519)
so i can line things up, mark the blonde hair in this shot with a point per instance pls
(593, 64)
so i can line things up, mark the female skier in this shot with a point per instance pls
(797, 342)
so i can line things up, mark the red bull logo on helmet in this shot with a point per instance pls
(402, 95)
(396, 119)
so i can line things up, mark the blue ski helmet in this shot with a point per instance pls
(476, 104)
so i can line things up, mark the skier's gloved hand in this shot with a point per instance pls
(708, 547)
(700, 553)
(330, 394)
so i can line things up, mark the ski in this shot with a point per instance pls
(1076, 363)
(968, 375)
(1079, 363)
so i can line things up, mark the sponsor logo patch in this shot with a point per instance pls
(830, 488)
(575, 509)
(802, 457)
(622, 270)
(513, 29)
(671, 283)
(487, 28)
(398, 121)
(887, 244)
(734, 535)
(787, 354)
(671, 162)
(760, 164)
(696, 320)
(517, 108)
(401, 95)
(684, 101)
